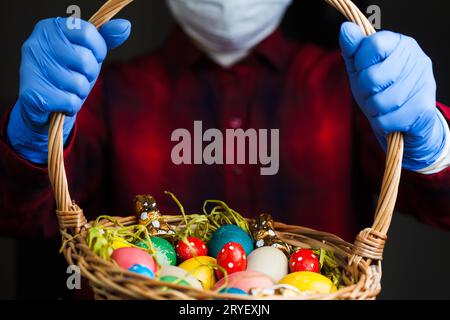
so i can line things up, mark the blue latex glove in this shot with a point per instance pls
(392, 81)
(59, 69)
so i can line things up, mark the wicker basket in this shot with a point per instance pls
(361, 260)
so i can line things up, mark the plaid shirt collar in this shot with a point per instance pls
(180, 53)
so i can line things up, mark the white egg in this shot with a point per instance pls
(269, 260)
(182, 274)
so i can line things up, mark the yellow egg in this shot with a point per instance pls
(117, 244)
(203, 269)
(309, 282)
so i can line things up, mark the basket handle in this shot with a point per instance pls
(369, 244)
(70, 216)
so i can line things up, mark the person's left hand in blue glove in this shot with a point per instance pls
(392, 82)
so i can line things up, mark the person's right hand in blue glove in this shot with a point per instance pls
(59, 68)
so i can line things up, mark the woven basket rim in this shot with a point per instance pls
(77, 252)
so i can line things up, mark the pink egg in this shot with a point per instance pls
(128, 257)
(246, 280)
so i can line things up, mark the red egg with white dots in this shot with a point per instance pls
(190, 247)
(304, 260)
(232, 258)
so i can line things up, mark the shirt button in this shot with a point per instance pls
(235, 123)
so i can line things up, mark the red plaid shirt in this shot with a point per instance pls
(330, 163)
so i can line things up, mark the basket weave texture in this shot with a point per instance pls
(361, 260)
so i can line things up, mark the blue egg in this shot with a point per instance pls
(233, 291)
(229, 233)
(142, 270)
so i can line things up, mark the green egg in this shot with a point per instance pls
(172, 279)
(143, 245)
(165, 252)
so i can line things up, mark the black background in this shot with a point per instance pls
(417, 259)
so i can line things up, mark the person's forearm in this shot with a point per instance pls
(27, 206)
(423, 196)
(426, 197)
(26, 197)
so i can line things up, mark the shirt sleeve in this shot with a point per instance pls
(443, 161)
(424, 196)
(27, 206)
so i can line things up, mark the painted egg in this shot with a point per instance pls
(203, 269)
(304, 260)
(229, 233)
(283, 290)
(307, 281)
(143, 245)
(270, 261)
(171, 271)
(142, 270)
(175, 280)
(120, 243)
(165, 252)
(245, 280)
(232, 258)
(128, 257)
(192, 247)
(233, 291)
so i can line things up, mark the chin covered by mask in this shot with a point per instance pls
(228, 29)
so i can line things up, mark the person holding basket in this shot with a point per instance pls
(227, 64)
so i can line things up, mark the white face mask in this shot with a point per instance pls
(228, 28)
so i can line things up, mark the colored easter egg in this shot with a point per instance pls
(203, 269)
(307, 281)
(142, 270)
(171, 271)
(175, 280)
(191, 247)
(245, 280)
(143, 245)
(229, 233)
(120, 243)
(233, 291)
(270, 261)
(304, 260)
(128, 257)
(232, 258)
(165, 252)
